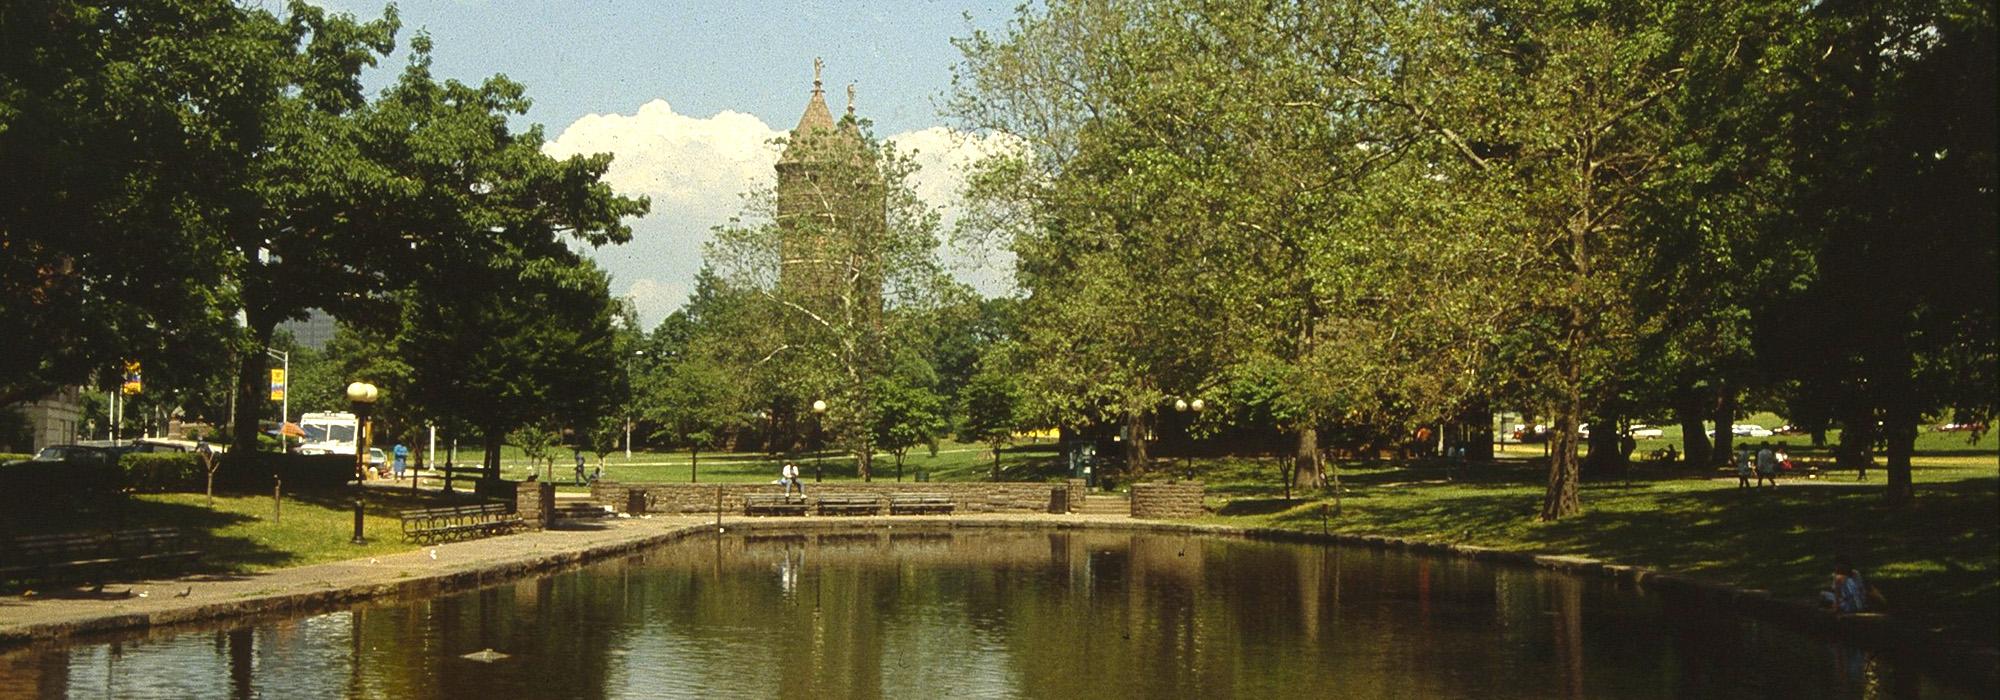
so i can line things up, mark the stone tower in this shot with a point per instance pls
(831, 216)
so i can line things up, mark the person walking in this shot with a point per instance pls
(1767, 465)
(1745, 464)
(578, 451)
(402, 457)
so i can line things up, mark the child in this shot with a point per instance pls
(1745, 464)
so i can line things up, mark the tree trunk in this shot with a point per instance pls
(995, 448)
(1899, 431)
(899, 465)
(1478, 445)
(1560, 501)
(252, 388)
(864, 460)
(694, 466)
(1605, 456)
(1857, 437)
(1136, 458)
(1694, 442)
(1725, 421)
(1307, 463)
(491, 460)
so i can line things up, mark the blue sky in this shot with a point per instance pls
(686, 92)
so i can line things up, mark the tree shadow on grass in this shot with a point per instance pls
(1937, 559)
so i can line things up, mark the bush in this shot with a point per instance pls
(13, 457)
(47, 487)
(158, 472)
(253, 471)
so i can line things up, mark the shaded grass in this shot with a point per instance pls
(240, 535)
(1937, 559)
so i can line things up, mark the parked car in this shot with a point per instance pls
(1961, 427)
(76, 453)
(1746, 430)
(1647, 432)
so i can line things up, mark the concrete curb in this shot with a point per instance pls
(1970, 663)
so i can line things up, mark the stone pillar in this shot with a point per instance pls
(1078, 489)
(535, 502)
(1167, 501)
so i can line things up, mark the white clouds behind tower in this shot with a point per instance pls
(696, 170)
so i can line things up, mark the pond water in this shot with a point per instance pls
(951, 613)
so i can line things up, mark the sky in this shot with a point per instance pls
(687, 95)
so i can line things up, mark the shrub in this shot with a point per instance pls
(156, 472)
(253, 471)
(13, 457)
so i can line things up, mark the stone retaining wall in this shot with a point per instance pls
(966, 497)
(1176, 501)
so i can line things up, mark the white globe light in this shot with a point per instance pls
(356, 391)
(1198, 405)
(819, 407)
(1180, 404)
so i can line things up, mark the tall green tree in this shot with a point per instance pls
(110, 234)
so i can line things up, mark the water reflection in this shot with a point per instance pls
(1022, 614)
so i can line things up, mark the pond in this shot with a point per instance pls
(923, 613)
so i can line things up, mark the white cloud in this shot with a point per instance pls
(696, 171)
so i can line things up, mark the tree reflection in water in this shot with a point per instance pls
(929, 613)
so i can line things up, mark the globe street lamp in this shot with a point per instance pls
(1183, 406)
(362, 395)
(819, 449)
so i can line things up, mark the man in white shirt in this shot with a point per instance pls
(790, 476)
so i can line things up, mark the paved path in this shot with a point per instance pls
(57, 613)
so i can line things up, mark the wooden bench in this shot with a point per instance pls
(773, 504)
(428, 525)
(45, 557)
(915, 503)
(850, 504)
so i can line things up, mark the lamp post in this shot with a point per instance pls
(1183, 406)
(362, 395)
(819, 456)
(284, 399)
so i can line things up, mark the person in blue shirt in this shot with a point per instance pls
(402, 458)
(1850, 592)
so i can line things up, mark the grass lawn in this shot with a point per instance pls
(953, 462)
(240, 535)
(1938, 559)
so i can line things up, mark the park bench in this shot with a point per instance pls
(850, 504)
(428, 525)
(914, 503)
(773, 504)
(47, 557)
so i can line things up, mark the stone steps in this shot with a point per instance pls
(580, 511)
(1102, 504)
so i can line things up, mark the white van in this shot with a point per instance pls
(328, 433)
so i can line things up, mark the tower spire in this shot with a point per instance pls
(850, 99)
(817, 65)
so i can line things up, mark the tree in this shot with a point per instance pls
(840, 257)
(698, 405)
(1889, 132)
(992, 403)
(109, 236)
(343, 201)
(908, 410)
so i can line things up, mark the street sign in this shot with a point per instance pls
(132, 385)
(277, 385)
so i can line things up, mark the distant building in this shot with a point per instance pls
(52, 420)
(831, 214)
(312, 333)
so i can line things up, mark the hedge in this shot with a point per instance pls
(13, 457)
(157, 472)
(254, 471)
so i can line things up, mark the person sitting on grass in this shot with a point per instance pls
(1849, 593)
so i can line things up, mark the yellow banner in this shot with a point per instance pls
(277, 385)
(132, 385)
